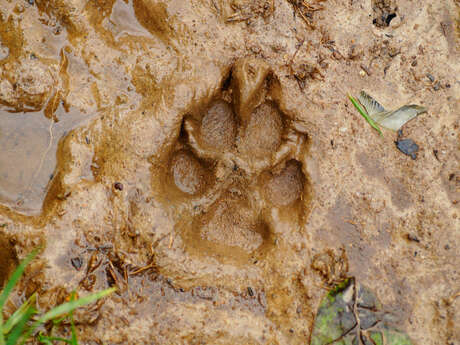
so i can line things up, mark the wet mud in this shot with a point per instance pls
(202, 157)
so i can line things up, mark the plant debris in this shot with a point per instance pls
(306, 10)
(364, 114)
(392, 120)
(351, 314)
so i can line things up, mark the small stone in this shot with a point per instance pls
(76, 263)
(408, 147)
(413, 238)
(429, 76)
(118, 186)
(395, 22)
(250, 292)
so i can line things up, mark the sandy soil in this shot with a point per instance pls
(202, 157)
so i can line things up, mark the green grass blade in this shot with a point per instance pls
(18, 330)
(72, 305)
(48, 340)
(17, 274)
(45, 341)
(364, 114)
(67, 308)
(74, 340)
(15, 278)
(17, 316)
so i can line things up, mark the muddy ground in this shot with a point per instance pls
(202, 157)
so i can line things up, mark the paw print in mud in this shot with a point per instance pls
(234, 177)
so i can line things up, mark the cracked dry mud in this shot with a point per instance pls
(202, 157)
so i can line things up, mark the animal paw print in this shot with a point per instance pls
(234, 177)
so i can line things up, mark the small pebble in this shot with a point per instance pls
(389, 18)
(118, 186)
(408, 147)
(429, 76)
(250, 291)
(396, 22)
(76, 263)
(413, 238)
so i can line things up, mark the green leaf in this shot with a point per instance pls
(336, 321)
(48, 340)
(18, 330)
(17, 274)
(44, 340)
(364, 114)
(67, 308)
(72, 305)
(74, 340)
(333, 319)
(15, 278)
(394, 337)
(17, 315)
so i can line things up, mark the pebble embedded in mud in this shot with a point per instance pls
(118, 186)
(408, 147)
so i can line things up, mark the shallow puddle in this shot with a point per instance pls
(28, 145)
(123, 21)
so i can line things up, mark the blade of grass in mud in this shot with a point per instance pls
(73, 329)
(17, 315)
(15, 278)
(72, 305)
(67, 308)
(73, 340)
(18, 330)
(45, 341)
(17, 274)
(364, 114)
(49, 340)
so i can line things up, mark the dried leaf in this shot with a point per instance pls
(392, 120)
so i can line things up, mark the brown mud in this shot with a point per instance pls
(202, 157)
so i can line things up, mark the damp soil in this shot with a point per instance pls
(202, 157)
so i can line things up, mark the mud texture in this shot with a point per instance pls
(202, 157)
